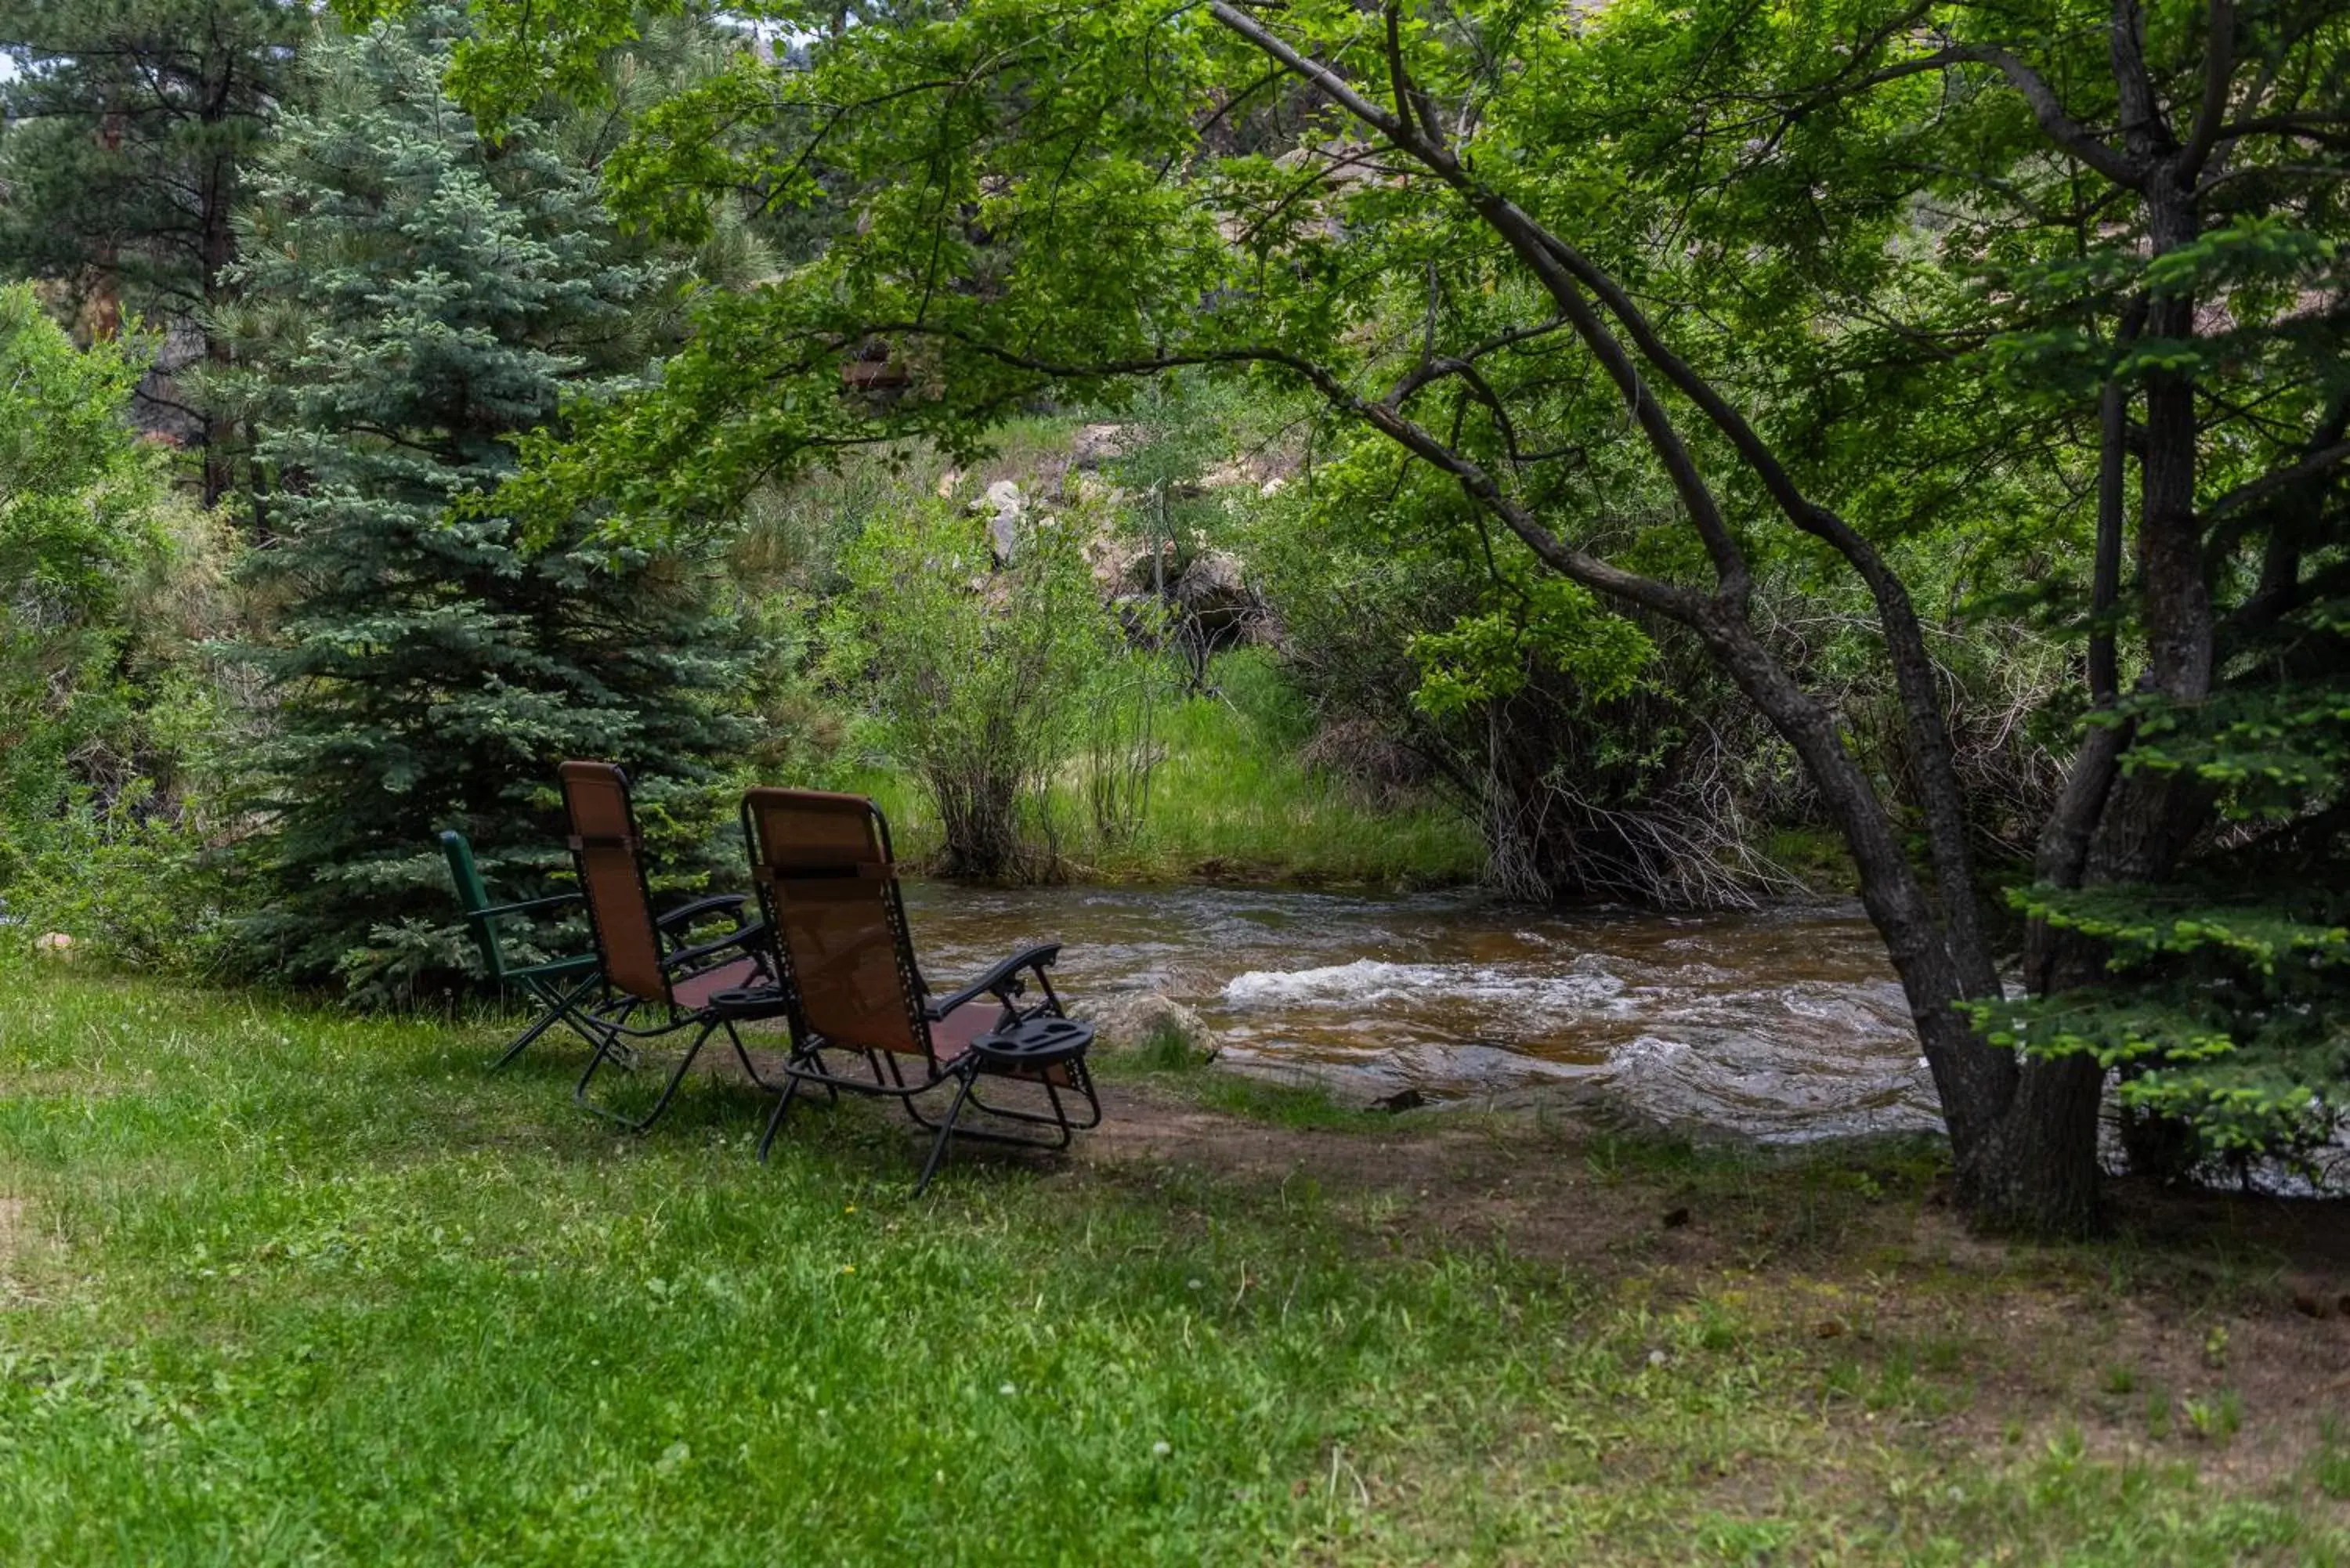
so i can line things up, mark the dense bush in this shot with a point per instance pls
(115, 733)
(1597, 754)
(79, 499)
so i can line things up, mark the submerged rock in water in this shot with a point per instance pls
(1124, 1024)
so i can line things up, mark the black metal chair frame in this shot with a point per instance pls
(1007, 981)
(721, 1010)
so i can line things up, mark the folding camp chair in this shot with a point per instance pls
(654, 988)
(829, 894)
(562, 987)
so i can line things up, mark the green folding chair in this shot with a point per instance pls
(560, 986)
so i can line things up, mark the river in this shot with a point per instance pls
(1782, 1026)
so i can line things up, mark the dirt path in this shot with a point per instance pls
(15, 1235)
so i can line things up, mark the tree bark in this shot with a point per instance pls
(2037, 1173)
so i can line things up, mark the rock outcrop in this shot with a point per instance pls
(1214, 593)
(1008, 506)
(1098, 444)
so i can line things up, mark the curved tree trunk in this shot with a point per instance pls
(2024, 1134)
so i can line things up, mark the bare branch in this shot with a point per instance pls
(2047, 109)
(2106, 572)
(1398, 82)
(1434, 367)
(2326, 130)
(2060, 126)
(1337, 89)
(2219, 71)
(1526, 237)
(2143, 131)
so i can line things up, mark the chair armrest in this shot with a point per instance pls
(527, 907)
(1000, 980)
(692, 909)
(741, 936)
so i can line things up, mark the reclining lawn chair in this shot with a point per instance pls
(561, 986)
(829, 894)
(654, 988)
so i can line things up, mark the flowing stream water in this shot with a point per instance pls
(1785, 1024)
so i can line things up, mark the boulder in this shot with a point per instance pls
(1214, 592)
(1127, 1022)
(1262, 471)
(1119, 567)
(1098, 444)
(1214, 578)
(1004, 500)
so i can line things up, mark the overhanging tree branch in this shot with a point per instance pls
(1735, 579)
(2048, 110)
(1564, 271)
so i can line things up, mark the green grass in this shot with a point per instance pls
(284, 1286)
(1231, 800)
(1282, 1105)
(1816, 856)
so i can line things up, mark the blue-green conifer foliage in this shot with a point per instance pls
(417, 296)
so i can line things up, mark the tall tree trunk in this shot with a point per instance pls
(105, 309)
(2037, 1173)
(217, 248)
(1975, 1080)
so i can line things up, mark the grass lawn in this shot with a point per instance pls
(279, 1285)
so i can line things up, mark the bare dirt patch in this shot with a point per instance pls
(15, 1237)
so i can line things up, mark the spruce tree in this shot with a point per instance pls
(421, 297)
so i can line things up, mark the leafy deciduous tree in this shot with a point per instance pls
(1819, 280)
(77, 497)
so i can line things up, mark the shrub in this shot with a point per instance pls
(130, 885)
(972, 671)
(78, 497)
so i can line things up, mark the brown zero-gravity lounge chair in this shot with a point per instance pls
(829, 892)
(562, 987)
(703, 986)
